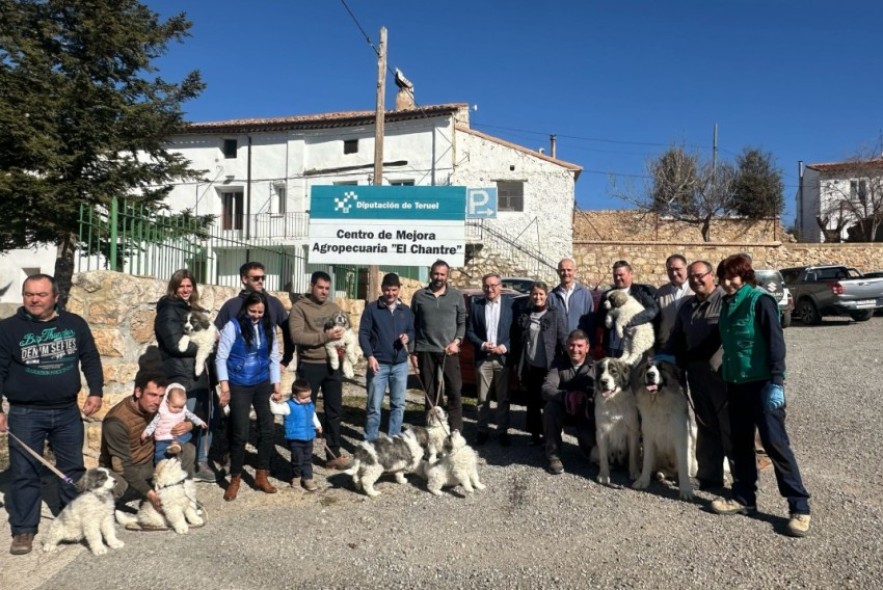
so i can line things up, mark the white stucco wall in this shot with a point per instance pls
(546, 222)
(15, 267)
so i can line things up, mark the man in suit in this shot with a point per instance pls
(490, 319)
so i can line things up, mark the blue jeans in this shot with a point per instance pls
(63, 428)
(747, 411)
(397, 377)
(301, 458)
(159, 452)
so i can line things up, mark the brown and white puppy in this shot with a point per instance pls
(617, 431)
(666, 426)
(346, 348)
(89, 516)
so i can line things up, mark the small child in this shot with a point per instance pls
(172, 411)
(301, 426)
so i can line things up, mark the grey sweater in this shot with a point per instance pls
(438, 321)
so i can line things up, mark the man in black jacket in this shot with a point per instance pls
(41, 350)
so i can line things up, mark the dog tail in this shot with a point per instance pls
(125, 518)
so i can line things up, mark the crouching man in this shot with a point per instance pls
(568, 391)
(123, 450)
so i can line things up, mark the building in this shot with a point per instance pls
(258, 175)
(833, 197)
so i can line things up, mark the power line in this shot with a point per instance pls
(364, 34)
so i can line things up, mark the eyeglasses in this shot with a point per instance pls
(698, 276)
(259, 278)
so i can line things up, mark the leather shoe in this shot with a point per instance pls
(22, 544)
(339, 463)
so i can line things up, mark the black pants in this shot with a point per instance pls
(430, 364)
(243, 397)
(709, 394)
(555, 418)
(533, 382)
(320, 376)
(301, 458)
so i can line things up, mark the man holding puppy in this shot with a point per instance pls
(569, 393)
(126, 453)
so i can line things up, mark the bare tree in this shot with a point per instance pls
(855, 199)
(685, 188)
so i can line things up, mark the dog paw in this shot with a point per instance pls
(604, 479)
(372, 493)
(182, 529)
(99, 550)
(196, 521)
(641, 483)
(435, 492)
(115, 544)
(686, 494)
(479, 486)
(49, 548)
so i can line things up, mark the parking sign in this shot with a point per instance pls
(481, 203)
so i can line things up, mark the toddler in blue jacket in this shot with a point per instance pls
(301, 425)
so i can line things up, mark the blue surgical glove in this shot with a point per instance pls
(773, 396)
(664, 358)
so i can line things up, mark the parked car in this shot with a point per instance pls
(467, 351)
(874, 274)
(833, 290)
(771, 281)
(520, 284)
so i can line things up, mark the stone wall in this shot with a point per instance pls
(484, 262)
(120, 310)
(637, 226)
(595, 259)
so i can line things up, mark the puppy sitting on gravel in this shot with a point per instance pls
(458, 466)
(398, 455)
(432, 437)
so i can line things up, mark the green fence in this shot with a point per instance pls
(128, 238)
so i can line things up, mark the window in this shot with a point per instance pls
(510, 195)
(281, 199)
(346, 183)
(230, 148)
(858, 189)
(350, 146)
(401, 183)
(232, 216)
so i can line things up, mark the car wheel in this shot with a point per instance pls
(862, 316)
(786, 319)
(807, 313)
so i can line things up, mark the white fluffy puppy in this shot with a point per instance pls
(432, 436)
(177, 493)
(622, 307)
(202, 332)
(458, 466)
(616, 418)
(345, 348)
(89, 516)
(665, 425)
(398, 455)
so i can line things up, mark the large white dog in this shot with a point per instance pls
(621, 308)
(458, 466)
(89, 516)
(177, 493)
(666, 426)
(616, 418)
(398, 455)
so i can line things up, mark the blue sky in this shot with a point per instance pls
(617, 82)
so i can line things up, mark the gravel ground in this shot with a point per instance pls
(530, 529)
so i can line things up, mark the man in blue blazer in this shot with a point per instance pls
(490, 319)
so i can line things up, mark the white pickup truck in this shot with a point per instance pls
(832, 290)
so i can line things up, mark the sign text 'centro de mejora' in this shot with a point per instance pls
(394, 225)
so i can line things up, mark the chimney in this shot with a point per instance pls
(553, 145)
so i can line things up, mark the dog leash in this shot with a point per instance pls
(42, 460)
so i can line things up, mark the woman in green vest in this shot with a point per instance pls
(754, 371)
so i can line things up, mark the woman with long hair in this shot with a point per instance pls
(247, 365)
(182, 298)
(753, 369)
(540, 333)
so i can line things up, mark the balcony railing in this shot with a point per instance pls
(281, 226)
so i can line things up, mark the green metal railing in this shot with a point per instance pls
(127, 237)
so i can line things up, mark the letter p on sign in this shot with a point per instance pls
(481, 203)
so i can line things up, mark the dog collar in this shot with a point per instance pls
(171, 485)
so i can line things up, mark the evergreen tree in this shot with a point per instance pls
(85, 116)
(758, 188)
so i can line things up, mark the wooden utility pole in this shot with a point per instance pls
(379, 117)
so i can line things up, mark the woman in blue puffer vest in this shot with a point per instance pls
(247, 363)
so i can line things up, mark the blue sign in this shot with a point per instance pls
(481, 203)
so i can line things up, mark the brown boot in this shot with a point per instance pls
(262, 483)
(233, 488)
